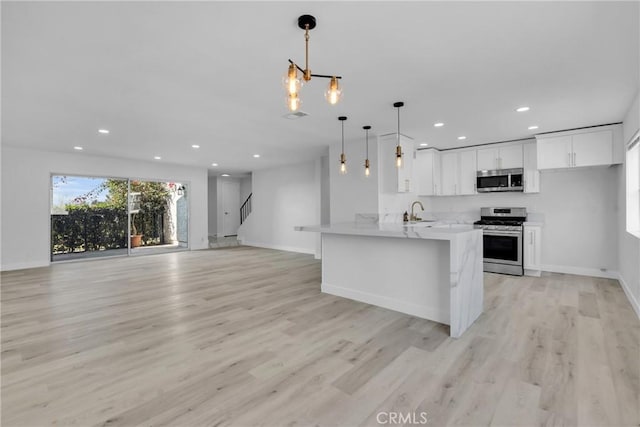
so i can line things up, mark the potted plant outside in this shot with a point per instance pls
(136, 239)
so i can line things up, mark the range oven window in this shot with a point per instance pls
(501, 247)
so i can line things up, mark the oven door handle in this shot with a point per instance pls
(502, 233)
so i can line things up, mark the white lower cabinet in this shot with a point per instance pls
(532, 250)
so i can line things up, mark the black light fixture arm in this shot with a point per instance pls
(314, 75)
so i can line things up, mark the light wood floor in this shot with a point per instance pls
(243, 336)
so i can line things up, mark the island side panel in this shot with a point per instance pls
(467, 281)
(411, 276)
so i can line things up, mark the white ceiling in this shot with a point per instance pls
(164, 75)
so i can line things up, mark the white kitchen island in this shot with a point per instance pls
(428, 271)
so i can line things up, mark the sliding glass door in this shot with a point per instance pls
(95, 217)
(88, 217)
(159, 216)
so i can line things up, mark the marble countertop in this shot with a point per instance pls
(419, 230)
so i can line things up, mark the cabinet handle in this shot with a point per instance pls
(574, 158)
(569, 159)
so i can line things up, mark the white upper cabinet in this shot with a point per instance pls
(591, 149)
(554, 153)
(579, 148)
(426, 168)
(458, 172)
(467, 172)
(449, 167)
(510, 157)
(502, 157)
(487, 159)
(531, 172)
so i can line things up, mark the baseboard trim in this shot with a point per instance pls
(435, 314)
(632, 299)
(580, 271)
(278, 247)
(24, 266)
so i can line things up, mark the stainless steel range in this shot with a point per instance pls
(502, 237)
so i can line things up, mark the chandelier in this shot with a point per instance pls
(293, 83)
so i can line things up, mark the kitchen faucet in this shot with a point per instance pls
(413, 216)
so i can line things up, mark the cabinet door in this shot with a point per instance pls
(510, 157)
(437, 174)
(467, 172)
(487, 159)
(532, 247)
(593, 148)
(424, 173)
(449, 166)
(554, 153)
(531, 173)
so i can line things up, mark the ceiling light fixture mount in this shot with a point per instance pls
(398, 105)
(291, 81)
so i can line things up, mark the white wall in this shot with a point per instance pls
(580, 210)
(353, 193)
(245, 188)
(283, 198)
(26, 196)
(325, 191)
(212, 205)
(628, 245)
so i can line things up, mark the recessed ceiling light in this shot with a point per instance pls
(533, 127)
(105, 131)
(157, 157)
(522, 109)
(214, 164)
(195, 146)
(438, 125)
(77, 147)
(462, 137)
(256, 155)
(225, 174)
(424, 144)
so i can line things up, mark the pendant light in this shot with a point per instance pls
(343, 158)
(292, 83)
(398, 147)
(367, 172)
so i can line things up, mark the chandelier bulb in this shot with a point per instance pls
(367, 172)
(290, 81)
(343, 164)
(293, 102)
(399, 156)
(333, 93)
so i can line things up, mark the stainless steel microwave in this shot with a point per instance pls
(500, 180)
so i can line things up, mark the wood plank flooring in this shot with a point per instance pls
(243, 336)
